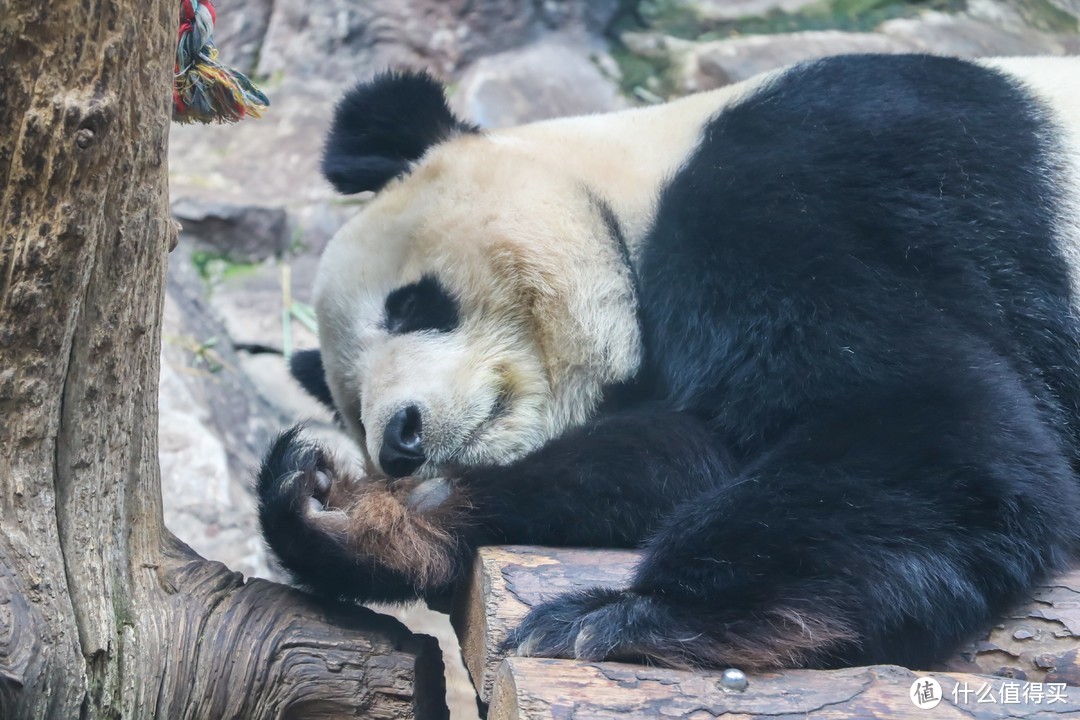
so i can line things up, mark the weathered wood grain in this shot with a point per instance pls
(1039, 642)
(506, 581)
(535, 689)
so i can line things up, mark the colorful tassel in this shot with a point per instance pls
(204, 90)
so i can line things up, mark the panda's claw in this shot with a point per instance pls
(524, 647)
(294, 487)
(584, 644)
(429, 495)
(322, 484)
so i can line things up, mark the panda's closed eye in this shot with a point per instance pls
(423, 305)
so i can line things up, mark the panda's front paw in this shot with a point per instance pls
(366, 538)
(300, 499)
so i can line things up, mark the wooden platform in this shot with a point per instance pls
(1027, 666)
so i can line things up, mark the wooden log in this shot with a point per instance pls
(534, 688)
(1039, 642)
(506, 581)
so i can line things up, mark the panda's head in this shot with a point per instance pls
(479, 304)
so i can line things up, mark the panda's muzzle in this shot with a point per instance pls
(403, 443)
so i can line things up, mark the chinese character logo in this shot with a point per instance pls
(925, 693)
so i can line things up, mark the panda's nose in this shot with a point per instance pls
(402, 447)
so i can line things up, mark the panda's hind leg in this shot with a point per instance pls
(886, 531)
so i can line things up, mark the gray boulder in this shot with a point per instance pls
(691, 66)
(239, 32)
(213, 428)
(245, 233)
(552, 77)
(344, 39)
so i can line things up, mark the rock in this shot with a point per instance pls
(270, 374)
(727, 10)
(313, 51)
(249, 303)
(213, 429)
(240, 30)
(198, 345)
(1072, 7)
(205, 504)
(315, 223)
(967, 36)
(738, 59)
(552, 77)
(693, 66)
(1048, 16)
(336, 38)
(594, 15)
(1005, 16)
(244, 233)
(273, 160)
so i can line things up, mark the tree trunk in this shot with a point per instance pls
(102, 612)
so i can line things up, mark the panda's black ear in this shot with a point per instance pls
(383, 125)
(306, 366)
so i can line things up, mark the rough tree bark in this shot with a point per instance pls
(102, 612)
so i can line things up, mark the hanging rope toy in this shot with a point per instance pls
(204, 90)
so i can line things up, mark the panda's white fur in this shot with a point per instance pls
(813, 340)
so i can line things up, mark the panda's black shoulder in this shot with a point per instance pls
(823, 144)
(862, 114)
(857, 156)
(860, 197)
(880, 90)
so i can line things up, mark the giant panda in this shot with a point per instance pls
(810, 341)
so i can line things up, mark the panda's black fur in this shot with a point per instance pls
(854, 436)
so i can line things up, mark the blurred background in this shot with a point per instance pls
(256, 213)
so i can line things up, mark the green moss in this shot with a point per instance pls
(673, 17)
(215, 266)
(1044, 15)
(273, 81)
(637, 71)
(677, 18)
(352, 201)
(201, 356)
(297, 246)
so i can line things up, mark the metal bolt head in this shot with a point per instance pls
(733, 680)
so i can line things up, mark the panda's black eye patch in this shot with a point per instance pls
(423, 305)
